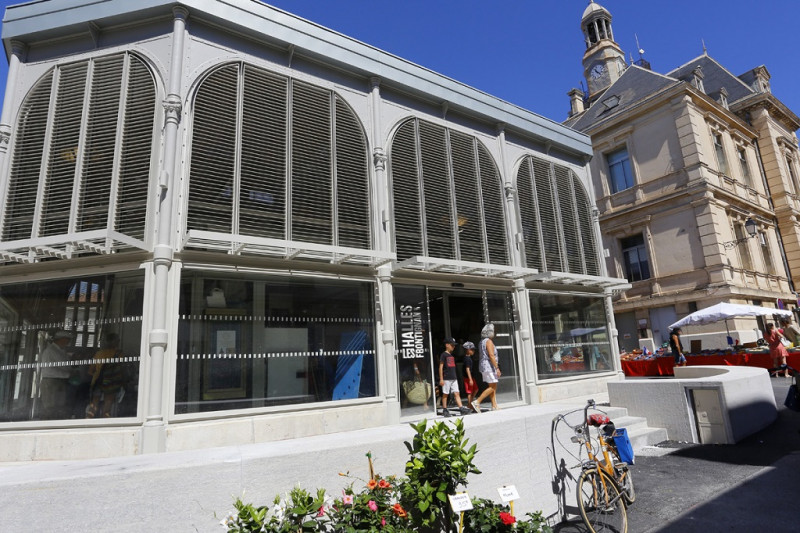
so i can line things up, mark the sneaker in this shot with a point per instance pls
(445, 413)
(464, 410)
(475, 406)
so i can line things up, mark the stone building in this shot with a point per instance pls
(695, 174)
(224, 224)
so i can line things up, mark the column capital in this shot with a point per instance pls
(374, 82)
(5, 137)
(173, 108)
(379, 158)
(180, 12)
(18, 48)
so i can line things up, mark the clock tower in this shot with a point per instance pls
(604, 60)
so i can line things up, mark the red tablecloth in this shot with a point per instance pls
(662, 366)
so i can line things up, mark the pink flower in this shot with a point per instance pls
(347, 499)
(321, 511)
(383, 521)
(372, 505)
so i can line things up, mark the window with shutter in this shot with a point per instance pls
(312, 170)
(406, 192)
(493, 212)
(214, 152)
(81, 160)
(262, 194)
(447, 196)
(468, 209)
(437, 191)
(529, 215)
(567, 211)
(276, 162)
(23, 185)
(586, 227)
(548, 218)
(63, 150)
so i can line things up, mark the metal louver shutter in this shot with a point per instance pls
(529, 215)
(352, 180)
(468, 208)
(136, 151)
(99, 143)
(60, 173)
(436, 186)
(545, 198)
(569, 220)
(262, 172)
(406, 192)
(493, 213)
(586, 227)
(210, 203)
(311, 166)
(25, 168)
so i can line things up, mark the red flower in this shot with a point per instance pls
(371, 484)
(507, 518)
(383, 484)
(399, 511)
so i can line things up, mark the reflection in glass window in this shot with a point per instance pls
(570, 334)
(255, 342)
(722, 161)
(619, 169)
(634, 257)
(70, 348)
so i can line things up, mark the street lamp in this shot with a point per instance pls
(750, 228)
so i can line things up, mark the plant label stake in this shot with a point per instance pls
(460, 502)
(508, 493)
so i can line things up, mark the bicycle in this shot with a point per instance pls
(605, 485)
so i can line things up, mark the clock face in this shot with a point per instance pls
(597, 71)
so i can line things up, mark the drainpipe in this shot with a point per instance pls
(388, 378)
(154, 429)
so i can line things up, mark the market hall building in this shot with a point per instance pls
(224, 224)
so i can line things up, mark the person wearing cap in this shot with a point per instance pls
(489, 368)
(448, 380)
(470, 387)
(55, 373)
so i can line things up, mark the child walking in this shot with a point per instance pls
(448, 380)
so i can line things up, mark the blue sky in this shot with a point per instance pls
(529, 51)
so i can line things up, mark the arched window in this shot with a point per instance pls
(556, 219)
(447, 194)
(82, 155)
(277, 158)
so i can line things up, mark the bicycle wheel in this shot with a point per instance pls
(625, 482)
(601, 504)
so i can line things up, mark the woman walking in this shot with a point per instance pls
(488, 367)
(776, 348)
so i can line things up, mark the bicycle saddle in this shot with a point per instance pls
(597, 420)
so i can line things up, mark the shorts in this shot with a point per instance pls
(679, 358)
(469, 389)
(489, 376)
(449, 386)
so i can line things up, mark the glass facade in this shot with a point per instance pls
(570, 334)
(255, 342)
(70, 348)
(426, 316)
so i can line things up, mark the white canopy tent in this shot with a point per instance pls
(724, 311)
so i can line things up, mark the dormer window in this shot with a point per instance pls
(761, 82)
(723, 97)
(611, 102)
(697, 79)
